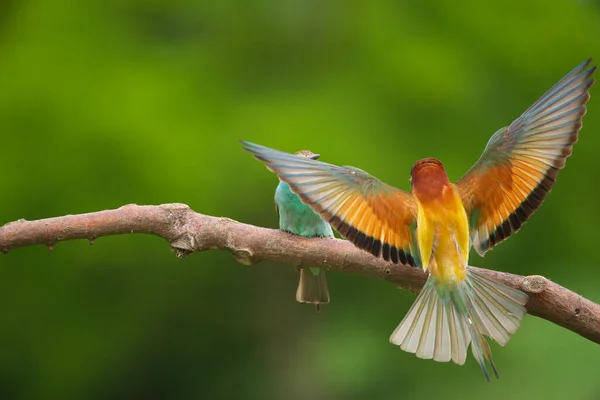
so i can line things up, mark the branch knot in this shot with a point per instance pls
(244, 257)
(184, 244)
(534, 284)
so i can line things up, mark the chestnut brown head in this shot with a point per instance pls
(426, 163)
(428, 172)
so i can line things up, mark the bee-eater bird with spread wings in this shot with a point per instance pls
(435, 226)
(299, 219)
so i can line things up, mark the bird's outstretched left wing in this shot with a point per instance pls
(521, 162)
(374, 216)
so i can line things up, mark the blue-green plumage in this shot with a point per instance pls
(299, 219)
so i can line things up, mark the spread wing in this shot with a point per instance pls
(374, 216)
(521, 162)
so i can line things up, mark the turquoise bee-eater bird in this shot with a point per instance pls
(299, 219)
(434, 226)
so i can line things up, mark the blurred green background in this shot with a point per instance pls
(105, 103)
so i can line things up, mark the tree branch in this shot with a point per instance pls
(188, 232)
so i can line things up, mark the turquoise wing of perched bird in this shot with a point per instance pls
(299, 219)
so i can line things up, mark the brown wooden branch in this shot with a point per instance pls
(188, 232)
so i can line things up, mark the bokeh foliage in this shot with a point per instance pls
(104, 103)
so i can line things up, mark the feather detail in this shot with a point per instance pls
(374, 216)
(445, 319)
(520, 163)
(312, 288)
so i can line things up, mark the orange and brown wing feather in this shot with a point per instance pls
(521, 162)
(372, 222)
(374, 216)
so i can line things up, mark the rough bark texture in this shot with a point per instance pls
(188, 232)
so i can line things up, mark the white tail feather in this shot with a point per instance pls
(443, 338)
(444, 320)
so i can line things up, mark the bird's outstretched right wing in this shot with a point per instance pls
(521, 162)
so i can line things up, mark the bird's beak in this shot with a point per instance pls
(315, 156)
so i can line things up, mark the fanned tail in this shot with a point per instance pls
(312, 287)
(446, 318)
(496, 311)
